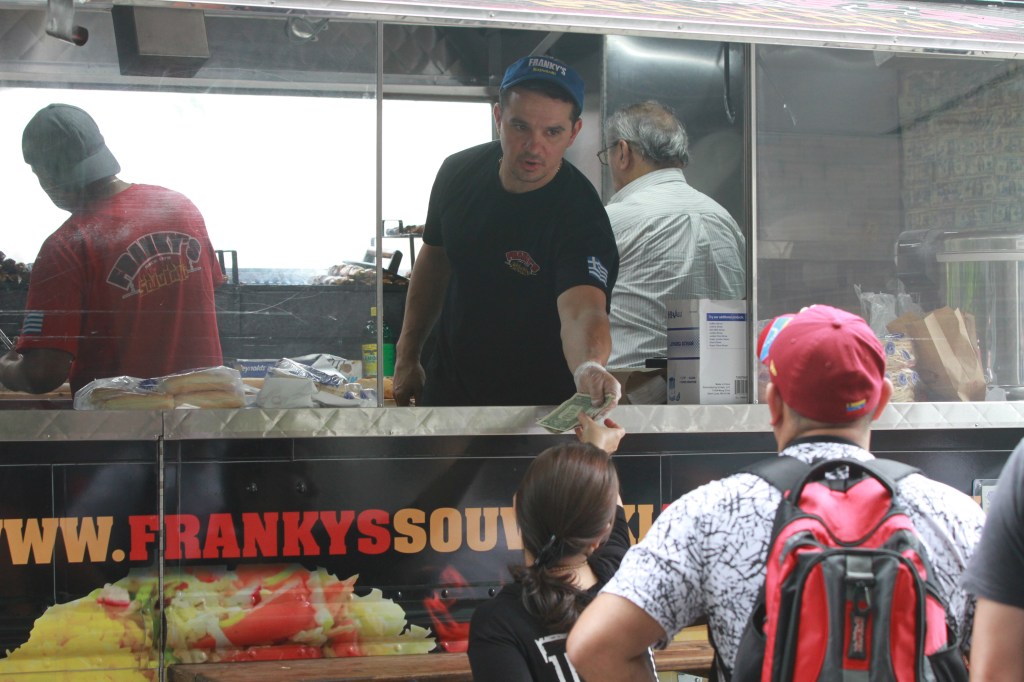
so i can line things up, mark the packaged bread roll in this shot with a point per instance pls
(389, 386)
(137, 401)
(122, 393)
(209, 399)
(207, 379)
(904, 382)
(899, 352)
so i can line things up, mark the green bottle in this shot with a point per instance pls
(370, 347)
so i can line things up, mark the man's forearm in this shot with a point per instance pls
(421, 312)
(424, 300)
(586, 331)
(610, 641)
(637, 669)
(587, 340)
(996, 643)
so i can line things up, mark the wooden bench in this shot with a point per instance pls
(687, 656)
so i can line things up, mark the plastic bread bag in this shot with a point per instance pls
(355, 395)
(350, 370)
(331, 386)
(286, 391)
(208, 387)
(899, 352)
(878, 309)
(122, 393)
(904, 383)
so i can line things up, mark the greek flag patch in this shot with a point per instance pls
(597, 270)
(33, 322)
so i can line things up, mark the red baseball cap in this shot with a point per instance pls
(826, 363)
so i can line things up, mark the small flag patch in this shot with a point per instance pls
(597, 270)
(33, 322)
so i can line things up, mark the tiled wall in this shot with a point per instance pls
(963, 146)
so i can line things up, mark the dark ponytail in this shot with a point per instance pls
(564, 503)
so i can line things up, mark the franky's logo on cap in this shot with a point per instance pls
(548, 69)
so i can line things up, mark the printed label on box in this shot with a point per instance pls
(707, 352)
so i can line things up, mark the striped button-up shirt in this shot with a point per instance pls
(674, 243)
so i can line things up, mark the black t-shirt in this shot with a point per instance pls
(498, 339)
(995, 569)
(506, 643)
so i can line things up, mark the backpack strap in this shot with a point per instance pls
(894, 470)
(783, 472)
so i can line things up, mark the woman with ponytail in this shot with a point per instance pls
(574, 536)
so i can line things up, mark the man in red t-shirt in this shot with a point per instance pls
(126, 285)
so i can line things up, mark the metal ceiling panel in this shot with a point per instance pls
(980, 29)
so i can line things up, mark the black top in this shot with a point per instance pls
(512, 255)
(998, 562)
(506, 643)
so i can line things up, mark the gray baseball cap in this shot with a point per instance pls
(65, 143)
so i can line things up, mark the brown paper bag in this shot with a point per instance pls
(948, 361)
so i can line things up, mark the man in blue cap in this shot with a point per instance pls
(517, 264)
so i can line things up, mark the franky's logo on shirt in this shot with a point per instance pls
(125, 273)
(521, 262)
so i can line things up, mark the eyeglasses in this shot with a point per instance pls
(602, 155)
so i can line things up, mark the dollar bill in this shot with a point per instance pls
(566, 416)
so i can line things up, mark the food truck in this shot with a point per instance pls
(872, 153)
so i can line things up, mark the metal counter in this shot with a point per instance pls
(415, 502)
(56, 425)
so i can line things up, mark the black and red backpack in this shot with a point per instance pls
(848, 594)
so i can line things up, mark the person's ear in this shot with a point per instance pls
(576, 128)
(775, 404)
(883, 399)
(625, 156)
(497, 115)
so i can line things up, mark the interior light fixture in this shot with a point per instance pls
(304, 29)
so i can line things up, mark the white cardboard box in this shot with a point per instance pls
(707, 352)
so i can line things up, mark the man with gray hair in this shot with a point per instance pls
(674, 242)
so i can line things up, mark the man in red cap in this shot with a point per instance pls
(705, 554)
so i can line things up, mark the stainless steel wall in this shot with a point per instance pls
(703, 82)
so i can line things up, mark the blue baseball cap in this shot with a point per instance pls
(545, 68)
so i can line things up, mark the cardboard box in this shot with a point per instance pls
(641, 386)
(254, 369)
(707, 352)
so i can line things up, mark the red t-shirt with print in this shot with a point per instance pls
(127, 287)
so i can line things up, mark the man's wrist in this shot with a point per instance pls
(583, 366)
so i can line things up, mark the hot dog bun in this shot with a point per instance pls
(371, 382)
(208, 379)
(210, 399)
(114, 399)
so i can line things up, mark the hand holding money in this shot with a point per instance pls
(605, 436)
(566, 416)
(593, 379)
